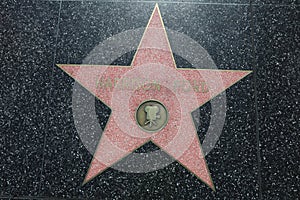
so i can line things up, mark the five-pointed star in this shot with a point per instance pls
(180, 90)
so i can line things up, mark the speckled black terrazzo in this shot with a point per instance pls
(42, 155)
(27, 45)
(277, 46)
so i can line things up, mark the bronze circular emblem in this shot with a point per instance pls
(151, 116)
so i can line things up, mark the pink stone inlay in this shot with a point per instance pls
(152, 75)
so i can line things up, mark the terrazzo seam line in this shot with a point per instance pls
(254, 64)
(182, 2)
(41, 197)
(49, 97)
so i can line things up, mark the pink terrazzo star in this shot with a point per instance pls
(152, 75)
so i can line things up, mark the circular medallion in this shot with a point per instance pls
(151, 116)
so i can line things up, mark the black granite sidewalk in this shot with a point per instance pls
(42, 155)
